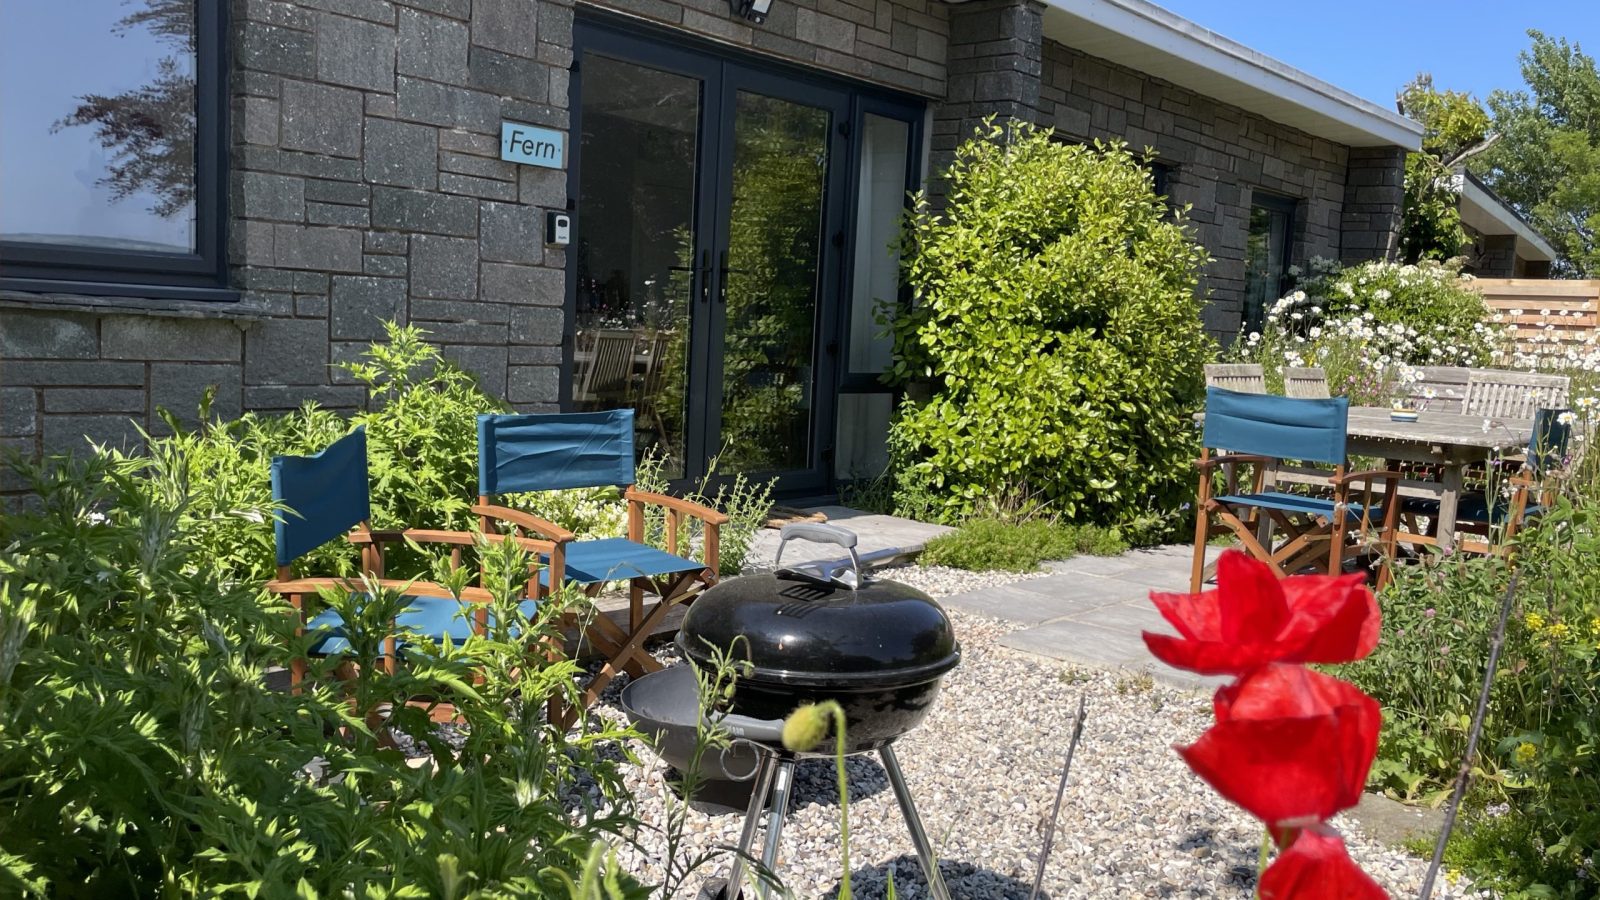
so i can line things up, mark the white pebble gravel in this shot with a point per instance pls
(984, 768)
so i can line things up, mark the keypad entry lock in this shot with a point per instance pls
(557, 229)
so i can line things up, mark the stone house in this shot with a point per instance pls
(681, 205)
(1500, 242)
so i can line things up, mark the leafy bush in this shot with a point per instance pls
(144, 750)
(1056, 333)
(1369, 327)
(1537, 755)
(422, 447)
(985, 544)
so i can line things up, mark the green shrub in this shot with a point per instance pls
(422, 446)
(1538, 750)
(986, 544)
(1369, 326)
(1056, 335)
(144, 751)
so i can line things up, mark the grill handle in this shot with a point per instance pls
(821, 534)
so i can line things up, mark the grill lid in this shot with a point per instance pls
(800, 630)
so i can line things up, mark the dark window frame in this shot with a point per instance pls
(200, 275)
(1289, 207)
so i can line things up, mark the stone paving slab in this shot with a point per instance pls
(873, 532)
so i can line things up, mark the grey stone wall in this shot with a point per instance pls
(995, 62)
(1496, 256)
(1374, 200)
(897, 43)
(366, 185)
(1220, 157)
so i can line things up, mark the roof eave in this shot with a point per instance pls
(1142, 35)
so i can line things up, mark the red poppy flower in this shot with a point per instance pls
(1291, 746)
(1254, 618)
(1317, 867)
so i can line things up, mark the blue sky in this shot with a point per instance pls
(1372, 47)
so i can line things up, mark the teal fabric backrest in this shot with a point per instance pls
(554, 451)
(1280, 427)
(1547, 445)
(326, 495)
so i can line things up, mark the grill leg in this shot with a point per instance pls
(919, 837)
(752, 819)
(783, 783)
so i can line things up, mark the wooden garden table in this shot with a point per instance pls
(1447, 440)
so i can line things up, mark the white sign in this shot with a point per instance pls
(531, 145)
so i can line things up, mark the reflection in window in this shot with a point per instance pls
(884, 145)
(780, 161)
(1267, 251)
(98, 148)
(634, 249)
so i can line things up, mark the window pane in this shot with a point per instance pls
(1266, 260)
(884, 145)
(98, 105)
(863, 449)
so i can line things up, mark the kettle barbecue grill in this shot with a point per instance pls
(811, 632)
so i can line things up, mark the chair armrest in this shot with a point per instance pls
(1211, 462)
(704, 513)
(548, 530)
(409, 588)
(435, 536)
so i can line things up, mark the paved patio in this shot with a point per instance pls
(1091, 610)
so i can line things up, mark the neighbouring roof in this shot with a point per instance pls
(1143, 36)
(1485, 212)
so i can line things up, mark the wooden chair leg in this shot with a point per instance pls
(1202, 535)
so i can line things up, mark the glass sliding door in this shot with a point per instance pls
(635, 249)
(710, 278)
(771, 282)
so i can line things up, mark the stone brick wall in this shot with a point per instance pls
(1220, 157)
(896, 43)
(1374, 199)
(995, 62)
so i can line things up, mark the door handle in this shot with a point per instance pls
(705, 275)
(722, 283)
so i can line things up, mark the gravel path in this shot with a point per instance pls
(983, 769)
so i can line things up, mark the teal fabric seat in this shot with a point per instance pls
(1297, 503)
(440, 619)
(618, 559)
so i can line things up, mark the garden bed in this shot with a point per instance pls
(983, 768)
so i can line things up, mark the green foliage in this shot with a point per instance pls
(422, 447)
(1453, 123)
(987, 544)
(1546, 160)
(1056, 334)
(1430, 226)
(1369, 326)
(1537, 754)
(146, 750)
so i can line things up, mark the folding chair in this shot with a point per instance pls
(1479, 513)
(326, 495)
(561, 451)
(1262, 430)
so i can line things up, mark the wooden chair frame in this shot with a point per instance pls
(624, 650)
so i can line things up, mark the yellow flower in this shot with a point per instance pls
(1557, 630)
(1525, 753)
(1534, 621)
(1594, 626)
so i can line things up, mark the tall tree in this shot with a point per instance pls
(1455, 127)
(1546, 159)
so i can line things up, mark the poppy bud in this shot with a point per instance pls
(805, 728)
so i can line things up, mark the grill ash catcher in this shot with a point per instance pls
(811, 632)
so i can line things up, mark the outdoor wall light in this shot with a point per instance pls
(754, 10)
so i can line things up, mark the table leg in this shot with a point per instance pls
(1451, 479)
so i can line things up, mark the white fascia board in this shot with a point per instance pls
(1479, 208)
(1146, 37)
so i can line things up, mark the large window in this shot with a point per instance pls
(1268, 248)
(112, 116)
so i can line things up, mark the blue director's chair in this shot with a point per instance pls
(561, 451)
(326, 496)
(1262, 431)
